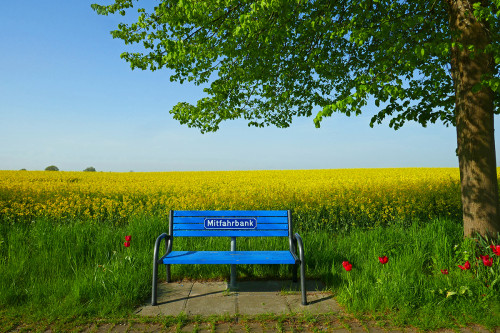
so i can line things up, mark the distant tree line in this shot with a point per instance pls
(54, 168)
(51, 168)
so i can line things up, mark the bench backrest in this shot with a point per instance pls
(233, 223)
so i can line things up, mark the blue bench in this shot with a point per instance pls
(272, 223)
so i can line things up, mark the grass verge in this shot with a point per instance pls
(82, 270)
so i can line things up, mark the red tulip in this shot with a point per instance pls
(383, 260)
(347, 265)
(128, 238)
(495, 249)
(444, 271)
(126, 244)
(487, 261)
(466, 266)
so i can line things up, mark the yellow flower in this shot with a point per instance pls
(364, 197)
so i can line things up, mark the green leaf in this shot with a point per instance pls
(450, 293)
(495, 85)
(464, 289)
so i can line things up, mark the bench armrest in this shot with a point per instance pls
(297, 240)
(156, 261)
(168, 246)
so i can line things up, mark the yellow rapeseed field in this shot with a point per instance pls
(320, 198)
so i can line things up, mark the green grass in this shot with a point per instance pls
(411, 286)
(78, 269)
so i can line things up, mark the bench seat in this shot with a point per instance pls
(229, 257)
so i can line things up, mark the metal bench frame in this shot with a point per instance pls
(230, 257)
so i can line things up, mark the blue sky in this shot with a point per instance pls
(67, 99)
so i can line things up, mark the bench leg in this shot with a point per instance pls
(303, 282)
(232, 278)
(155, 278)
(302, 269)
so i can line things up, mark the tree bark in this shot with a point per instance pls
(474, 121)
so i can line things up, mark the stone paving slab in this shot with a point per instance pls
(211, 306)
(334, 325)
(249, 298)
(253, 305)
(253, 298)
(318, 303)
(208, 289)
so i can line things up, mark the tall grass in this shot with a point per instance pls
(80, 268)
(72, 269)
(65, 269)
(411, 285)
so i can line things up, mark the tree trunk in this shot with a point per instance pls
(474, 122)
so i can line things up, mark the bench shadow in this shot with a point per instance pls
(183, 298)
(319, 300)
(279, 286)
(257, 287)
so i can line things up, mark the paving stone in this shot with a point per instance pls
(188, 328)
(260, 286)
(278, 286)
(204, 328)
(479, 329)
(145, 328)
(148, 310)
(120, 328)
(252, 297)
(173, 308)
(269, 327)
(375, 329)
(105, 328)
(252, 327)
(253, 305)
(171, 300)
(209, 289)
(166, 290)
(331, 323)
(356, 327)
(317, 303)
(380, 327)
(226, 327)
(206, 306)
(410, 330)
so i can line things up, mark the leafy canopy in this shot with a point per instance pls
(268, 61)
